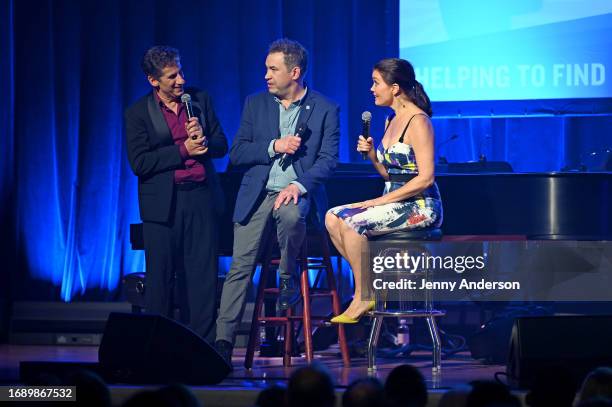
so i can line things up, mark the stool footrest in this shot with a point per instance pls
(312, 293)
(312, 263)
(316, 266)
(408, 313)
(282, 320)
(320, 293)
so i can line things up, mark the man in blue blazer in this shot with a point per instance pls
(179, 194)
(288, 144)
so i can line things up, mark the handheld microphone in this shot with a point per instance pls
(186, 99)
(366, 119)
(298, 133)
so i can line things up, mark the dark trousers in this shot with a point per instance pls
(186, 244)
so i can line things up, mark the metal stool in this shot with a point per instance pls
(324, 267)
(382, 310)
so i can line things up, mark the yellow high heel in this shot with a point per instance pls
(345, 319)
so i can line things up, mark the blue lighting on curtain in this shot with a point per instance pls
(73, 67)
(77, 68)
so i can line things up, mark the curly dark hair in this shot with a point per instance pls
(157, 58)
(294, 54)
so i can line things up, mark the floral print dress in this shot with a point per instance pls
(421, 211)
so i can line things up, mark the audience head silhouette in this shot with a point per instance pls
(405, 386)
(491, 394)
(273, 396)
(597, 384)
(310, 387)
(368, 392)
(555, 386)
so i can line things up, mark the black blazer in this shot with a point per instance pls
(153, 155)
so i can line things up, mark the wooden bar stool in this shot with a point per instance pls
(308, 291)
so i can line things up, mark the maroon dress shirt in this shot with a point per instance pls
(194, 170)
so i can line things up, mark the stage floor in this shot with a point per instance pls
(242, 386)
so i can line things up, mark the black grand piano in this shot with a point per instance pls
(540, 206)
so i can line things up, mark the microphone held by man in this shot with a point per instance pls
(186, 100)
(292, 143)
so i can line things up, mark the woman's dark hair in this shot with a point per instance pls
(157, 58)
(400, 71)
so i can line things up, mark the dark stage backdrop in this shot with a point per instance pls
(69, 68)
(76, 68)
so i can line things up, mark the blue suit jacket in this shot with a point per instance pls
(314, 162)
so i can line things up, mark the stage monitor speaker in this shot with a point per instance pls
(576, 343)
(151, 349)
(490, 342)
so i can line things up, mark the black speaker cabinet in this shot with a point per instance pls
(490, 342)
(151, 349)
(577, 343)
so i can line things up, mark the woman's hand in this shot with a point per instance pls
(368, 204)
(366, 145)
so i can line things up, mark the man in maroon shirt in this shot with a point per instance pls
(179, 193)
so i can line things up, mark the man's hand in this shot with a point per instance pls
(195, 147)
(196, 142)
(291, 192)
(288, 144)
(194, 130)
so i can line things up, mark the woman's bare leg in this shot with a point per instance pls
(353, 243)
(333, 225)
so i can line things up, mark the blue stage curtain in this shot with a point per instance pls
(7, 163)
(69, 69)
(76, 68)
